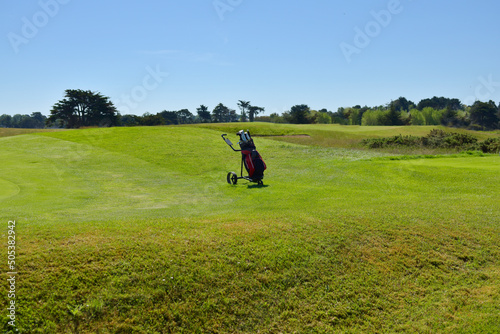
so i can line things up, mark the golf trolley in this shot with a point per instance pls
(250, 158)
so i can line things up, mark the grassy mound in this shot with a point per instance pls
(134, 230)
(394, 139)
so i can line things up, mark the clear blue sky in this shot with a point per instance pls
(155, 55)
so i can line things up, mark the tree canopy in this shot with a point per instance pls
(440, 103)
(484, 114)
(86, 108)
(203, 114)
(34, 121)
(83, 108)
(299, 114)
(221, 113)
(243, 105)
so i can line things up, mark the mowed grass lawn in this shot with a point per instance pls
(135, 230)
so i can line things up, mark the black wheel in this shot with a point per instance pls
(232, 178)
(260, 183)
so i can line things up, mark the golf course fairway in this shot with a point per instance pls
(135, 230)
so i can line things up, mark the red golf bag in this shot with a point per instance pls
(252, 160)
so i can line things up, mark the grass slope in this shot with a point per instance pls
(7, 132)
(334, 135)
(134, 230)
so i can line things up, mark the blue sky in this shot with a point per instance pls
(149, 56)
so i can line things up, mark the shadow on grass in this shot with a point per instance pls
(253, 186)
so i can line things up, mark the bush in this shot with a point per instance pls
(440, 139)
(490, 145)
(437, 139)
(408, 141)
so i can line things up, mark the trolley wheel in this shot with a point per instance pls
(260, 183)
(232, 178)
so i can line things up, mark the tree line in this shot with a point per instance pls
(220, 114)
(82, 108)
(432, 111)
(34, 121)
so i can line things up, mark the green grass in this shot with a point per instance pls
(136, 231)
(338, 136)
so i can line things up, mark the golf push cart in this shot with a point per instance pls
(252, 160)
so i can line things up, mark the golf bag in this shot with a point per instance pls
(252, 160)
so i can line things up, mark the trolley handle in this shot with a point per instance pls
(229, 142)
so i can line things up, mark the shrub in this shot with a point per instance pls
(490, 145)
(411, 141)
(440, 139)
(437, 139)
